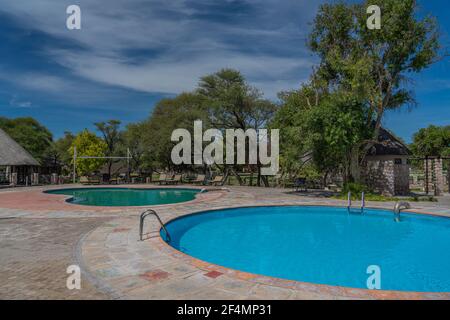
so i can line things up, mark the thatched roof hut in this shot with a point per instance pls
(12, 154)
(389, 145)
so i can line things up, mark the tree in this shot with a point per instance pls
(432, 141)
(292, 117)
(111, 137)
(88, 144)
(334, 128)
(58, 153)
(133, 139)
(234, 104)
(373, 65)
(168, 115)
(30, 134)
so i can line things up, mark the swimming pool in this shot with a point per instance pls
(322, 245)
(114, 197)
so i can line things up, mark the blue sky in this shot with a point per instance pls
(129, 54)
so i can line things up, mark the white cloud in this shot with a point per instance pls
(187, 47)
(14, 102)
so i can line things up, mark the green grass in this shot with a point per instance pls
(380, 198)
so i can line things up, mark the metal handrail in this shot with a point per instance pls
(147, 213)
(398, 208)
(349, 202)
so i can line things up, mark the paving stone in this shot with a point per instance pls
(39, 238)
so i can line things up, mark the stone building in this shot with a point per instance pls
(386, 168)
(17, 166)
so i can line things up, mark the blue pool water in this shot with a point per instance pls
(113, 197)
(323, 245)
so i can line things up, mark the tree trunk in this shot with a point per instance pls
(109, 168)
(355, 169)
(259, 175)
(324, 179)
(265, 180)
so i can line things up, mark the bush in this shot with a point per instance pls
(355, 188)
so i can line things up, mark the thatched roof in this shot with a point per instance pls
(12, 154)
(388, 144)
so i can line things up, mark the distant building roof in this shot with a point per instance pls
(12, 154)
(388, 144)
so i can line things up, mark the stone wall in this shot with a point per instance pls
(439, 179)
(436, 178)
(379, 176)
(387, 178)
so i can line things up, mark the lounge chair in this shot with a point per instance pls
(176, 179)
(94, 180)
(300, 185)
(84, 180)
(162, 178)
(199, 180)
(217, 180)
(135, 178)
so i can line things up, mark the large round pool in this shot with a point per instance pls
(114, 197)
(323, 245)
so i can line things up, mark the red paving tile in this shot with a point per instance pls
(155, 275)
(213, 274)
(118, 230)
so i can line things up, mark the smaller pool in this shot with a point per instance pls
(126, 197)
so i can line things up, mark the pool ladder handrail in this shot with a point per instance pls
(363, 202)
(144, 215)
(398, 208)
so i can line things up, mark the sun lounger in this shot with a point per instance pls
(217, 180)
(200, 179)
(176, 179)
(162, 178)
(84, 180)
(94, 180)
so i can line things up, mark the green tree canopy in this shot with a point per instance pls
(110, 131)
(234, 104)
(169, 114)
(30, 134)
(335, 128)
(133, 138)
(373, 64)
(432, 141)
(362, 72)
(88, 144)
(58, 153)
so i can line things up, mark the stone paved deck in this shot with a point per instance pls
(40, 238)
(34, 255)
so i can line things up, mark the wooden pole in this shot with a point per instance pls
(426, 175)
(74, 164)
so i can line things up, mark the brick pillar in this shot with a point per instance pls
(389, 175)
(54, 178)
(429, 169)
(439, 179)
(14, 179)
(35, 179)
